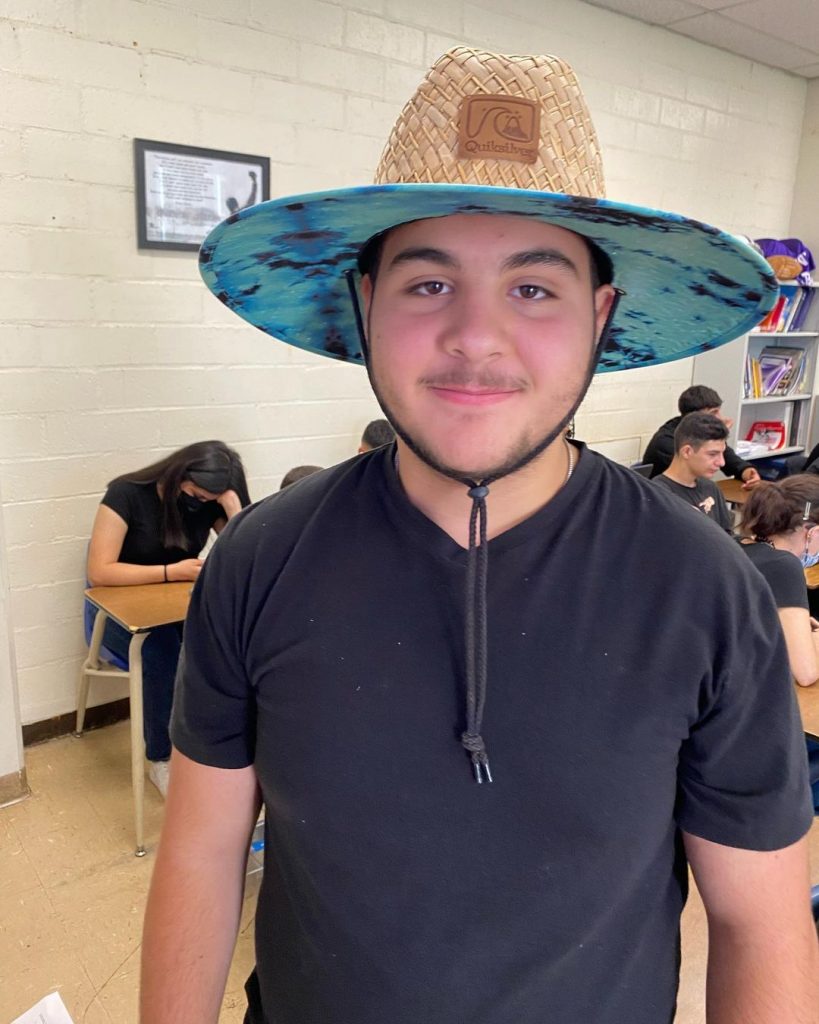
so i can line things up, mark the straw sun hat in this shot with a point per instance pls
(486, 133)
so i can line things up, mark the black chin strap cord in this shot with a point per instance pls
(475, 622)
(477, 575)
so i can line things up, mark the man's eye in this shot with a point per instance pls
(431, 288)
(530, 291)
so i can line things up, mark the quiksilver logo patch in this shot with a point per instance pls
(499, 128)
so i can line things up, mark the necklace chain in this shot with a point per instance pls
(570, 453)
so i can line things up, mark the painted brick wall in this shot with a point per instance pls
(110, 356)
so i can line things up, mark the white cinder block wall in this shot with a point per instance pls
(111, 356)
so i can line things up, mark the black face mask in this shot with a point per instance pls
(191, 503)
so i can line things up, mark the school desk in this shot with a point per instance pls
(733, 491)
(140, 609)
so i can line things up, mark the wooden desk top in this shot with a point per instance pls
(808, 697)
(733, 492)
(141, 608)
(812, 576)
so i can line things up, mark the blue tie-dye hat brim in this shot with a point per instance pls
(489, 133)
(689, 287)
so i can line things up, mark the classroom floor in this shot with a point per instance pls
(72, 893)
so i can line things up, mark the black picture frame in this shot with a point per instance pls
(182, 192)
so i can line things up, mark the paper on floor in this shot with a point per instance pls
(50, 1010)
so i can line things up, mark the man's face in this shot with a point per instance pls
(481, 332)
(707, 459)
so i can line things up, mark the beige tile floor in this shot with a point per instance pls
(72, 893)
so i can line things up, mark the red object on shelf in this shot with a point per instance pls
(771, 433)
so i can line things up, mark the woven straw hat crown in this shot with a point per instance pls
(481, 118)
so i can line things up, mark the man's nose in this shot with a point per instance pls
(475, 330)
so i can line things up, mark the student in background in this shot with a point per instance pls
(297, 473)
(697, 398)
(376, 434)
(699, 451)
(149, 528)
(779, 524)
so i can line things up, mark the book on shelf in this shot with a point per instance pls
(796, 416)
(789, 311)
(792, 297)
(801, 312)
(777, 370)
(768, 325)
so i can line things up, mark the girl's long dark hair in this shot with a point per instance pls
(779, 507)
(209, 464)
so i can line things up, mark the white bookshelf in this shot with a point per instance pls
(724, 370)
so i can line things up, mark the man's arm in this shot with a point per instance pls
(763, 956)
(195, 899)
(739, 468)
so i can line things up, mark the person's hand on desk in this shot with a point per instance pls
(187, 569)
(750, 478)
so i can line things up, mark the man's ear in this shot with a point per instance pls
(686, 451)
(366, 294)
(603, 298)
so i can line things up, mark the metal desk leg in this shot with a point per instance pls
(137, 737)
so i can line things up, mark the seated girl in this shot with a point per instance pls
(150, 528)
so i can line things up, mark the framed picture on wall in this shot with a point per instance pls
(184, 191)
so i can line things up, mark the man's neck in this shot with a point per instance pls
(679, 472)
(511, 499)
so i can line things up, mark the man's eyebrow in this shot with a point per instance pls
(540, 257)
(425, 253)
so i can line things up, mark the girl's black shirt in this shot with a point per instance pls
(141, 508)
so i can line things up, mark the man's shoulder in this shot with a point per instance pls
(278, 520)
(663, 522)
(666, 482)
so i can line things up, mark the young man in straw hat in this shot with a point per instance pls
(438, 664)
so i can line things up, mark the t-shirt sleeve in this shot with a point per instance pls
(118, 498)
(724, 517)
(214, 712)
(787, 581)
(742, 778)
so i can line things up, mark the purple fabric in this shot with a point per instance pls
(794, 248)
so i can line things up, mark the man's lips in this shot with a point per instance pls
(472, 396)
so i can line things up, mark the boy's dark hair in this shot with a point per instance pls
(297, 473)
(377, 433)
(696, 398)
(697, 428)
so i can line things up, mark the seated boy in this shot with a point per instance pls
(660, 449)
(699, 451)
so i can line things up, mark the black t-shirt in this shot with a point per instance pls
(784, 574)
(704, 496)
(140, 506)
(325, 644)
